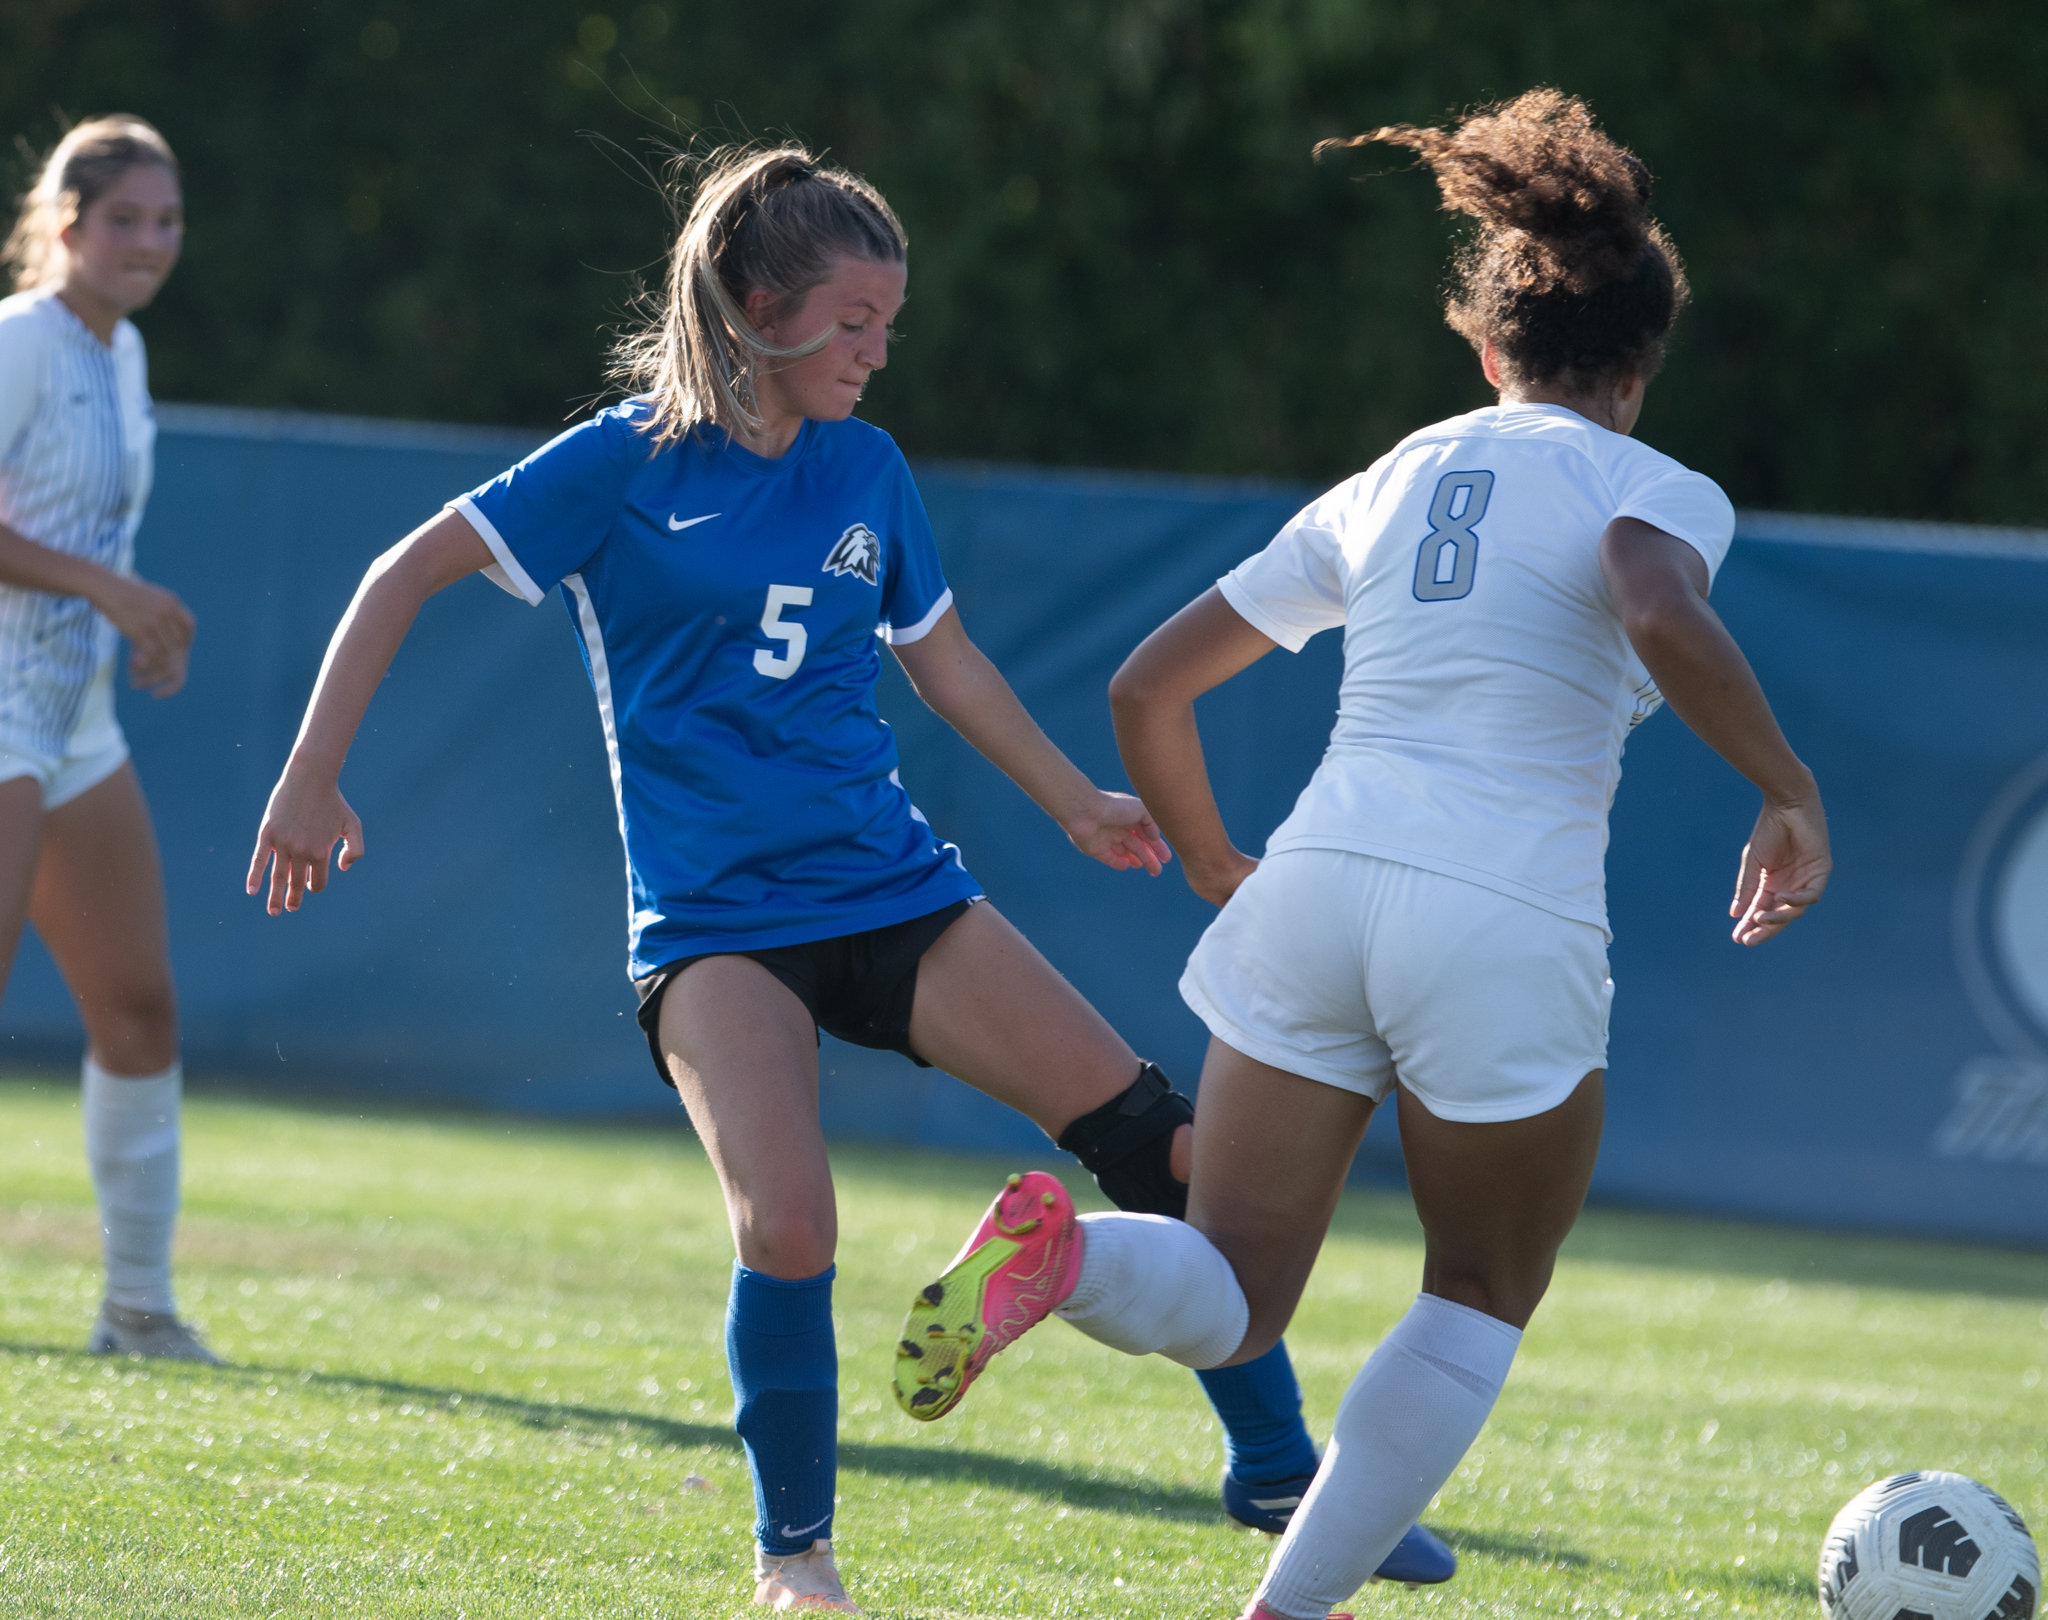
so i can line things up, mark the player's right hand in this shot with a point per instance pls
(301, 825)
(159, 629)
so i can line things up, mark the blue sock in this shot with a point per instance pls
(1264, 1439)
(785, 1392)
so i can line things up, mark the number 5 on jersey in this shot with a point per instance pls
(782, 665)
(1450, 551)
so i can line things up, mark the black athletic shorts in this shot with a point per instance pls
(858, 987)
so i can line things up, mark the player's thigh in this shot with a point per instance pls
(993, 1011)
(98, 904)
(1495, 1012)
(1497, 1198)
(1271, 1153)
(21, 842)
(743, 1052)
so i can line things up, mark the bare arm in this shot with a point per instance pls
(969, 693)
(158, 626)
(307, 815)
(1153, 700)
(1659, 587)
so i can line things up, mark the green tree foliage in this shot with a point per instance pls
(1121, 252)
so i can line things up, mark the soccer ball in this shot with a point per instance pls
(1928, 1546)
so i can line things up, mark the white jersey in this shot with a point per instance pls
(1488, 684)
(77, 441)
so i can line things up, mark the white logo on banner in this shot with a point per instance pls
(2000, 1112)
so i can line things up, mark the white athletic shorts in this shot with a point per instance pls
(1356, 971)
(92, 753)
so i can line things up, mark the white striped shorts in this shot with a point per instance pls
(92, 753)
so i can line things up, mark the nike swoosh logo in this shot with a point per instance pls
(689, 523)
(1272, 1504)
(786, 1532)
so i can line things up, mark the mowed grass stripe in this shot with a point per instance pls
(481, 1373)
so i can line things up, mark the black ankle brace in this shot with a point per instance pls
(1125, 1144)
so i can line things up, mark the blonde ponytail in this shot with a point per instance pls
(772, 220)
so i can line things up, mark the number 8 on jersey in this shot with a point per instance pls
(1449, 556)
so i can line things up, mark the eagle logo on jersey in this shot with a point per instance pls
(857, 552)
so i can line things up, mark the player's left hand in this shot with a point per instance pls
(1118, 831)
(1785, 867)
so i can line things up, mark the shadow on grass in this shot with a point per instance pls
(1044, 1481)
(950, 1464)
(1515, 1549)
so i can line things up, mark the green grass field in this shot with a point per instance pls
(480, 1373)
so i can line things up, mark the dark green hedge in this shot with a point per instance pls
(1121, 253)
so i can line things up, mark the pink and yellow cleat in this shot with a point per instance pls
(1258, 1611)
(1022, 1262)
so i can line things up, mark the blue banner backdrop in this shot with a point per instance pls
(1885, 1065)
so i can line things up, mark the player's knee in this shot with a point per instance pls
(1128, 1146)
(1508, 1290)
(134, 1027)
(789, 1244)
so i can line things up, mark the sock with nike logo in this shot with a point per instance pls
(785, 1390)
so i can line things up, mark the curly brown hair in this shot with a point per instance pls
(1569, 277)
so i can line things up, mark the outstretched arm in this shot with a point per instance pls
(1659, 587)
(1153, 701)
(307, 815)
(969, 693)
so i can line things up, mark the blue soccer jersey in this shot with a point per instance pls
(730, 611)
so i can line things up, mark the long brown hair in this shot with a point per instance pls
(1569, 277)
(87, 163)
(772, 219)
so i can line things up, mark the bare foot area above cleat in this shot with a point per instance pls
(1021, 1262)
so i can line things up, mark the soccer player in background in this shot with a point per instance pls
(1518, 587)
(96, 235)
(732, 545)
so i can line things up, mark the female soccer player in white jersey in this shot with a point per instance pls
(97, 234)
(731, 546)
(1517, 587)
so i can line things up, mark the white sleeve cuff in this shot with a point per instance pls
(505, 572)
(903, 636)
(1257, 617)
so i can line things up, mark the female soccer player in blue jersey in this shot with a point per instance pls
(1518, 587)
(732, 546)
(98, 232)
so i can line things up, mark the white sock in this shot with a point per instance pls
(1405, 1424)
(1151, 1285)
(131, 1142)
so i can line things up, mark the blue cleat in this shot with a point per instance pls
(1419, 1559)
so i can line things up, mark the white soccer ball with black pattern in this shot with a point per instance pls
(1929, 1546)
